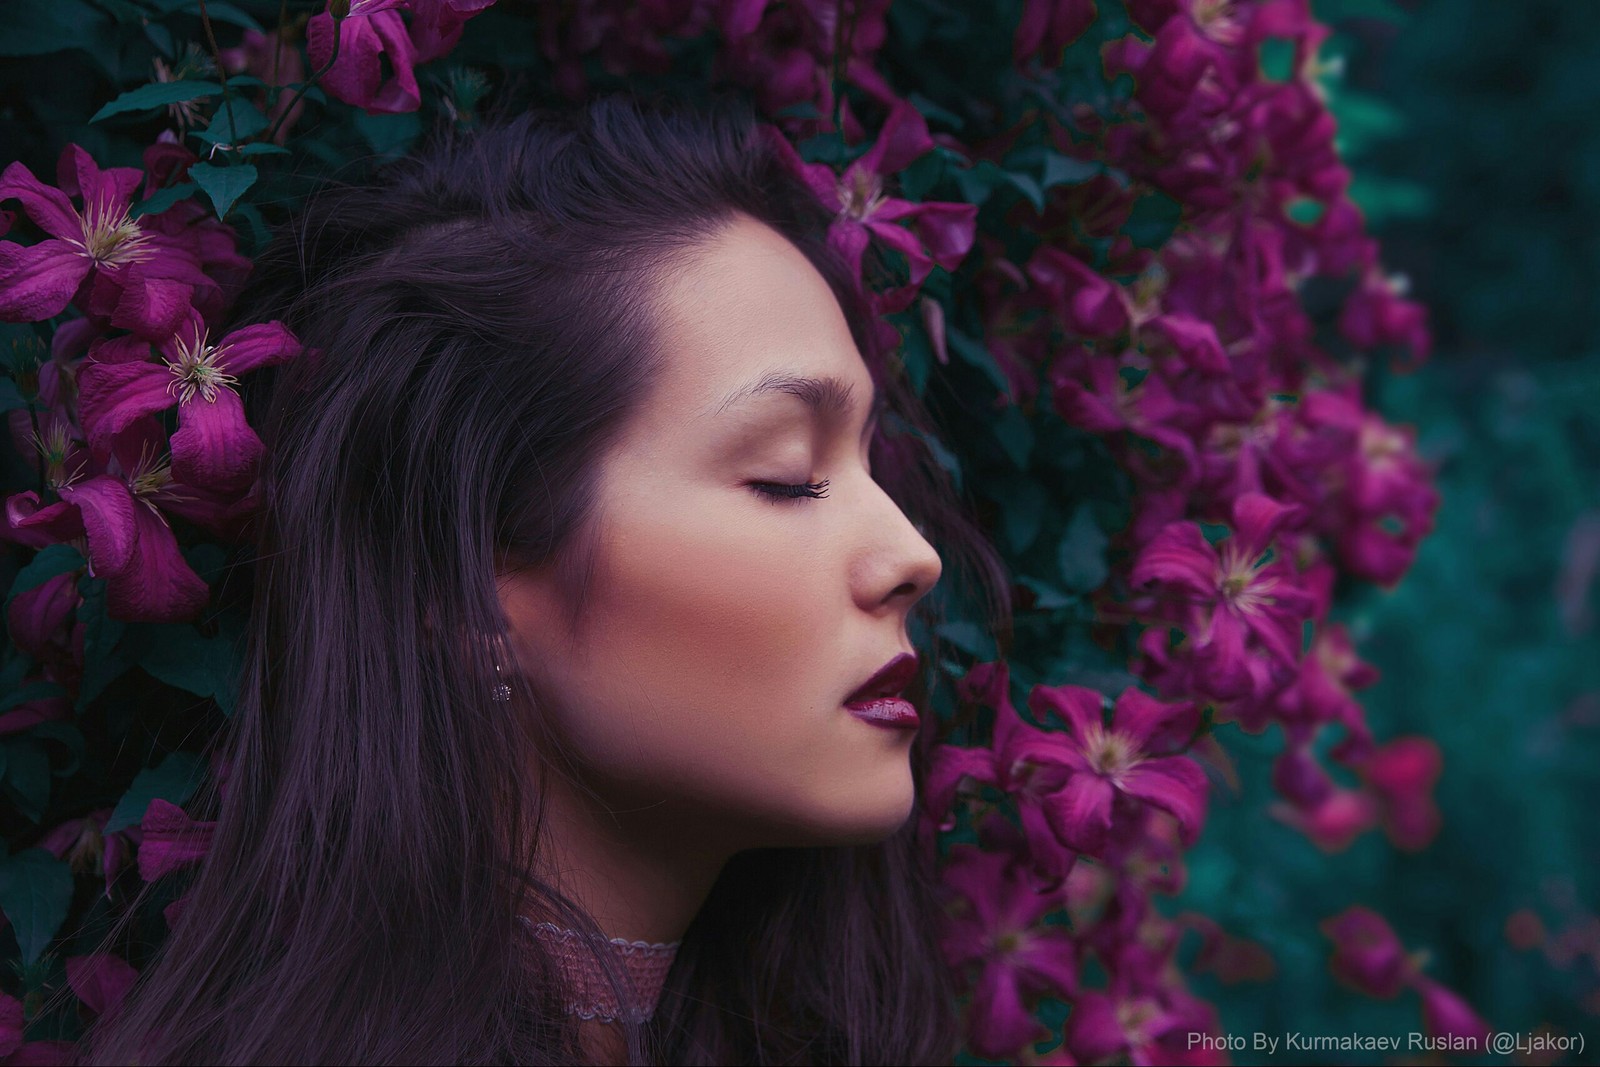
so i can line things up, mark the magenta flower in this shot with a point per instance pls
(996, 926)
(110, 264)
(1234, 596)
(1119, 762)
(940, 233)
(11, 1020)
(172, 840)
(117, 509)
(1047, 27)
(100, 980)
(1446, 1015)
(1089, 304)
(1024, 763)
(1367, 955)
(214, 447)
(436, 25)
(1402, 774)
(373, 36)
(84, 844)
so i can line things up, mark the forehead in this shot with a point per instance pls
(745, 304)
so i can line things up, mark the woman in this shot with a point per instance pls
(589, 508)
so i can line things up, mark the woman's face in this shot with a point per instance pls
(723, 628)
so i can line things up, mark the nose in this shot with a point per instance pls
(902, 566)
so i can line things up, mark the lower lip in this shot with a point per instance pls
(888, 711)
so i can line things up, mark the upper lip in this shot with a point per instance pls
(888, 680)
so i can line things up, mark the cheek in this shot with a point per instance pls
(711, 665)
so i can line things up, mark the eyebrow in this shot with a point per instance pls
(826, 395)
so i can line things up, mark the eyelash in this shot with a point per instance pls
(778, 493)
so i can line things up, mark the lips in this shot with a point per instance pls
(888, 681)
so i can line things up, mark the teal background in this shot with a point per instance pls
(1474, 128)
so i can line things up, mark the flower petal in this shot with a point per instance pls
(1080, 812)
(50, 208)
(39, 281)
(1141, 717)
(159, 585)
(1176, 785)
(112, 396)
(254, 346)
(214, 447)
(108, 522)
(1179, 556)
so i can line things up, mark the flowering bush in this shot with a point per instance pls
(1128, 274)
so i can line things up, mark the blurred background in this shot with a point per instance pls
(1473, 127)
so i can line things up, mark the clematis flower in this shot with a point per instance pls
(940, 233)
(1023, 762)
(1402, 774)
(1232, 597)
(1119, 762)
(1367, 955)
(116, 508)
(100, 980)
(996, 926)
(84, 844)
(371, 34)
(1047, 27)
(111, 265)
(214, 447)
(172, 840)
(436, 25)
(1089, 304)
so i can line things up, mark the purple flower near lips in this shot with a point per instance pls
(97, 256)
(1118, 768)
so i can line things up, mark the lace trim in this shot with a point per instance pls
(644, 963)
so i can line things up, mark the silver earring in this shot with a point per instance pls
(501, 692)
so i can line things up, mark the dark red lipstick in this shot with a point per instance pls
(878, 700)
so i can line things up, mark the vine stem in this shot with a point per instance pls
(216, 56)
(333, 58)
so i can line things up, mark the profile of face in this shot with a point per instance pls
(725, 626)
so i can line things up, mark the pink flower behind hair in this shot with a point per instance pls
(172, 840)
(371, 33)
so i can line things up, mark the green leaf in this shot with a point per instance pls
(236, 120)
(389, 135)
(20, 695)
(230, 13)
(262, 148)
(1152, 220)
(11, 397)
(1082, 554)
(103, 660)
(39, 27)
(1064, 170)
(223, 185)
(973, 352)
(174, 781)
(177, 654)
(969, 637)
(157, 94)
(35, 892)
(161, 199)
(1015, 435)
(27, 780)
